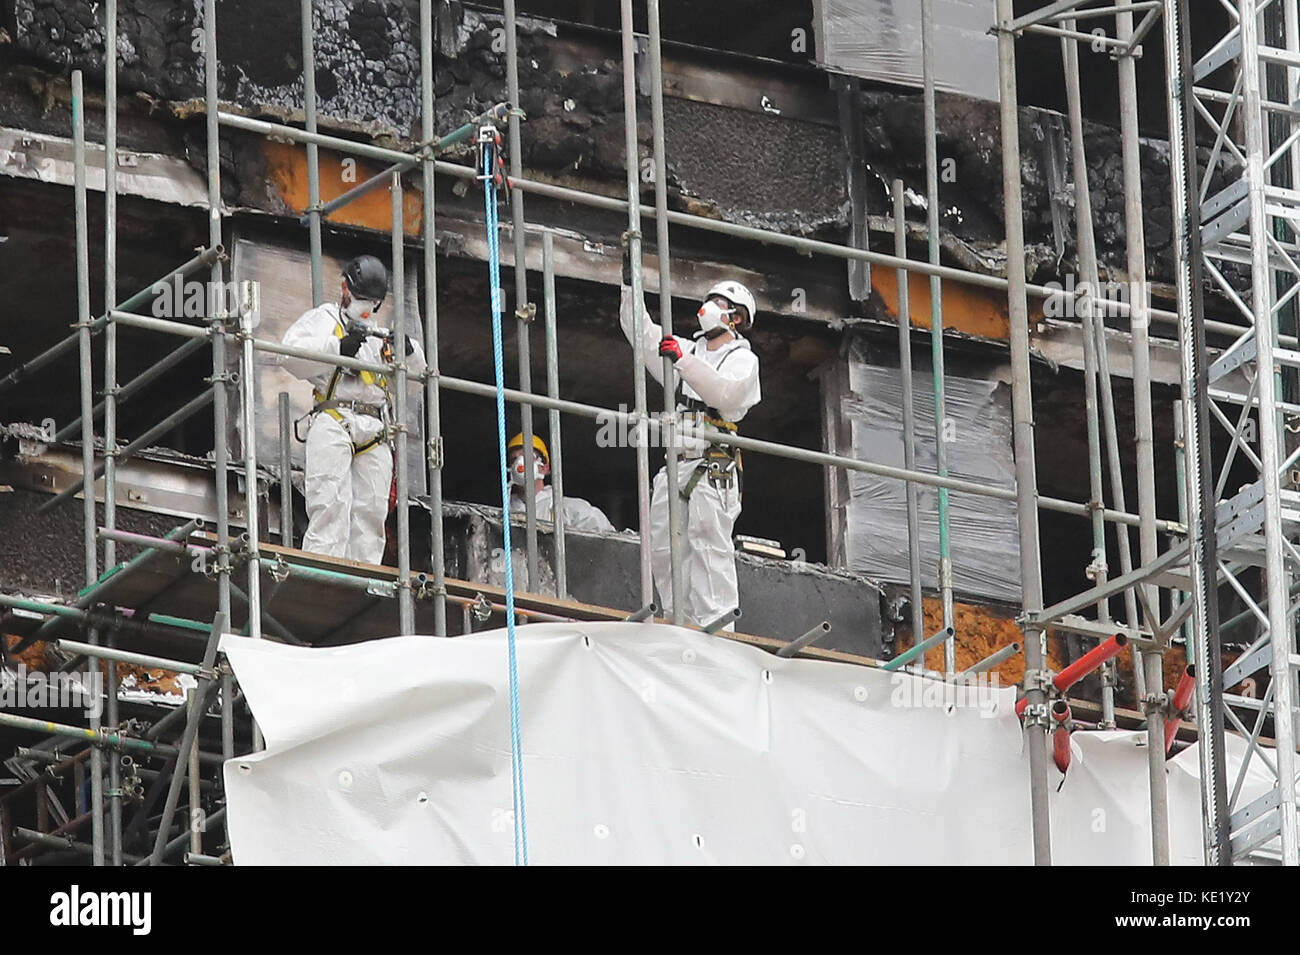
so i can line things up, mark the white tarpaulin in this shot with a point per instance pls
(646, 743)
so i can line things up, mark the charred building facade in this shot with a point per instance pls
(773, 119)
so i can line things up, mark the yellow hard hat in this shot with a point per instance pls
(538, 445)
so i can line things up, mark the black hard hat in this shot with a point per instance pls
(367, 278)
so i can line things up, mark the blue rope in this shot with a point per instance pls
(498, 357)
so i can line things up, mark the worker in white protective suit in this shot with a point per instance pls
(717, 385)
(579, 515)
(349, 469)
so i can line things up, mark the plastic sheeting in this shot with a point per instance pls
(985, 541)
(646, 743)
(881, 40)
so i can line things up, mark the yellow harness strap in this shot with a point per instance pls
(369, 378)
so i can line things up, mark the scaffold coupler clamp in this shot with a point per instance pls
(1098, 568)
(481, 609)
(212, 672)
(1156, 701)
(280, 569)
(426, 589)
(210, 566)
(242, 549)
(491, 154)
(1038, 713)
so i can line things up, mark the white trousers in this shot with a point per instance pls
(347, 496)
(709, 556)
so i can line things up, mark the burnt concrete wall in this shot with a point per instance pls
(367, 61)
(743, 166)
(970, 187)
(156, 46)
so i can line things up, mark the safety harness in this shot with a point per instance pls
(328, 404)
(721, 462)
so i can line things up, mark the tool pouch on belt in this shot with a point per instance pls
(722, 464)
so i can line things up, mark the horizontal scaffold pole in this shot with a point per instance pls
(204, 259)
(431, 147)
(630, 420)
(796, 243)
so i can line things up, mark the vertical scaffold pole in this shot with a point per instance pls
(87, 381)
(909, 420)
(936, 330)
(110, 280)
(286, 469)
(249, 313)
(110, 394)
(220, 375)
(1139, 320)
(432, 392)
(1097, 569)
(676, 528)
(313, 154)
(1023, 430)
(523, 323)
(113, 716)
(405, 604)
(632, 155)
(553, 416)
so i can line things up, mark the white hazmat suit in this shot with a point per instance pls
(726, 380)
(579, 515)
(349, 469)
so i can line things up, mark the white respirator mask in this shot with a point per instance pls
(360, 312)
(517, 472)
(713, 318)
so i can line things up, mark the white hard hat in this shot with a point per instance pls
(736, 294)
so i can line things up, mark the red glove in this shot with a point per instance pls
(670, 348)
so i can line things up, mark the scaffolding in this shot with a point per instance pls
(1209, 546)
